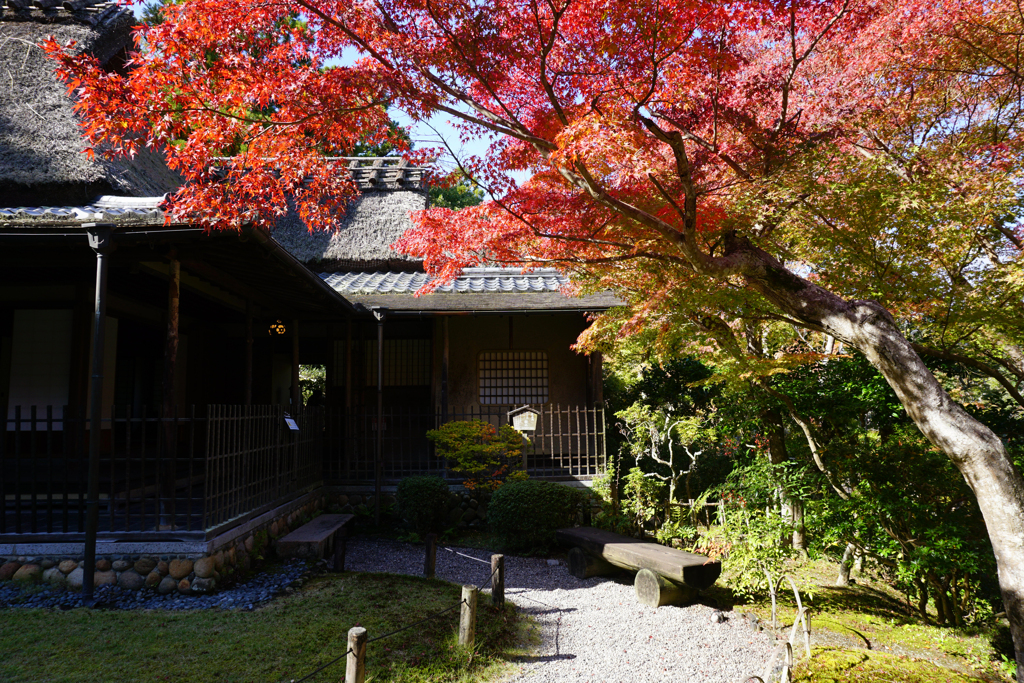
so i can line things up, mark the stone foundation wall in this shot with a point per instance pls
(233, 553)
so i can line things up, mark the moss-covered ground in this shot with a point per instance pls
(868, 632)
(281, 641)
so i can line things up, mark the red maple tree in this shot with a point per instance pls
(823, 163)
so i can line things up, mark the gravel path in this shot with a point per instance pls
(594, 629)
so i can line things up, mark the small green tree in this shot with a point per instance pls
(485, 456)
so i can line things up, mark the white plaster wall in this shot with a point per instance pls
(40, 360)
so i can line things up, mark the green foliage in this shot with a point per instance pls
(312, 378)
(642, 499)
(525, 514)
(423, 502)
(485, 456)
(455, 195)
(750, 534)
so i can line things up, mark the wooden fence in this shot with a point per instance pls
(185, 473)
(206, 469)
(255, 459)
(569, 441)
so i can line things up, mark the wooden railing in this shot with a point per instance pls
(186, 473)
(254, 459)
(569, 441)
(212, 467)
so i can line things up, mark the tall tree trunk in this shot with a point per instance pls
(799, 530)
(974, 448)
(922, 599)
(844, 566)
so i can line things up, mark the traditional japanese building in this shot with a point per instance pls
(180, 348)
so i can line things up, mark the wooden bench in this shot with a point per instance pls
(664, 576)
(322, 535)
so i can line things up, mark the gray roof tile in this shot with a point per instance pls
(477, 290)
(104, 208)
(472, 280)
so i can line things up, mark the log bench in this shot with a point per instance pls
(326, 534)
(664, 576)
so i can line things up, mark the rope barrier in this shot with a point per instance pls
(468, 557)
(489, 581)
(421, 621)
(490, 578)
(386, 635)
(333, 661)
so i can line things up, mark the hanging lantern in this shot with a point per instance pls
(276, 327)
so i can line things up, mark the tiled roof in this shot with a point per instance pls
(105, 208)
(472, 280)
(477, 290)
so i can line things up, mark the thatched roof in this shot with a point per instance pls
(41, 147)
(390, 190)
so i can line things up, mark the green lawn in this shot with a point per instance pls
(284, 640)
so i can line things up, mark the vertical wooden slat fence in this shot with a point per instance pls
(182, 473)
(569, 441)
(254, 460)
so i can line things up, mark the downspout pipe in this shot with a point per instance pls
(101, 239)
(378, 466)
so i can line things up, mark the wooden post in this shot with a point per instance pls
(467, 618)
(248, 353)
(430, 562)
(654, 590)
(497, 580)
(583, 565)
(444, 369)
(348, 368)
(355, 663)
(166, 475)
(296, 389)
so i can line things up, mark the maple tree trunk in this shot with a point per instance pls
(975, 449)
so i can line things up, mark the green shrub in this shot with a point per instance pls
(525, 514)
(423, 501)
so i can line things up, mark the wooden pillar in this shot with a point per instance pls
(166, 472)
(296, 389)
(444, 369)
(348, 366)
(171, 341)
(248, 353)
(595, 379)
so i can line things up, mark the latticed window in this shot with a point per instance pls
(510, 377)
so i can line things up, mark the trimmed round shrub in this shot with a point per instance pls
(423, 502)
(525, 514)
